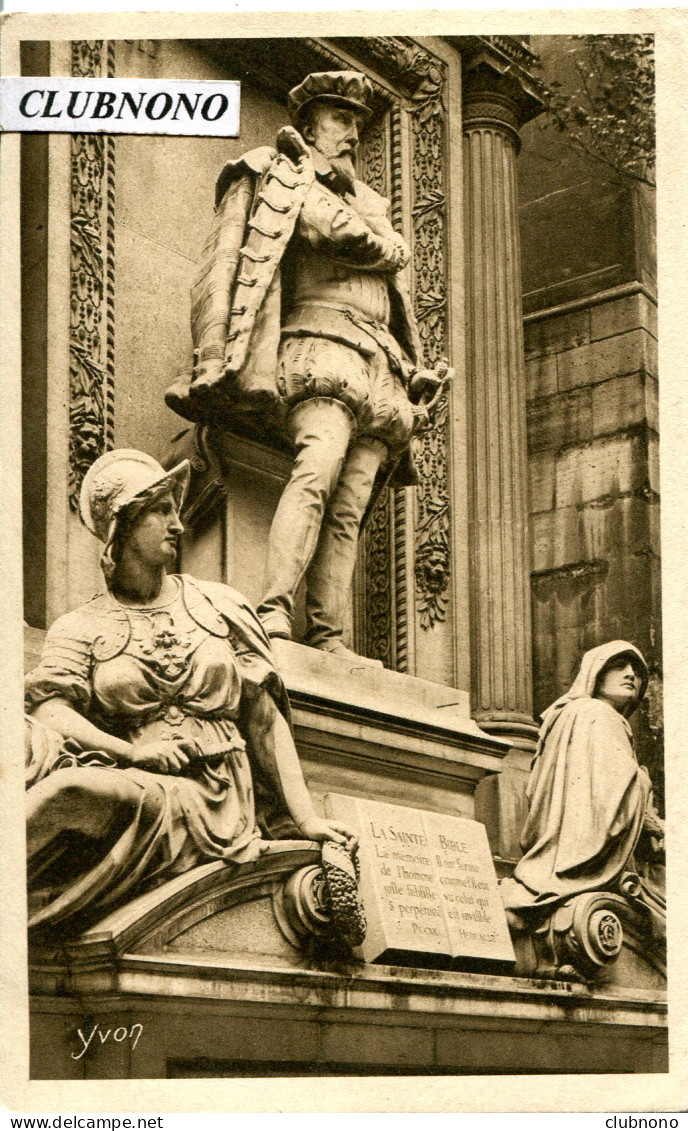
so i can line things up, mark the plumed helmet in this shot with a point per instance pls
(117, 480)
(344, 88)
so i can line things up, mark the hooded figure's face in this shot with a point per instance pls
(619, 683)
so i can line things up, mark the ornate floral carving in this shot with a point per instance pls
(400, 581)
(159, 640)
(374, 147)
(402, 60)
(400, 567)
(110, 273)
(379, 602)
(342, 874)
(386, 618)
(433, 563)
(377, 543)
(91, 381)
(323, 902)
(586, 934)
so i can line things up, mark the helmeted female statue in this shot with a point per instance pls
(159, 733)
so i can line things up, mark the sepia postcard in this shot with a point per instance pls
(344, 643)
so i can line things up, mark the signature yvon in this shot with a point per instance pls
(122, 1033)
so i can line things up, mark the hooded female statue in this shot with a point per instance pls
(591, 817)
(158, 734)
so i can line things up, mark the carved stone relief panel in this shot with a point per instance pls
(422, 112)
(427, 113)
(92, 250)
(376, 628)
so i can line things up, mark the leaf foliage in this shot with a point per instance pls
(610, 115)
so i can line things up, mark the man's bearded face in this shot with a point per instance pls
(333, 131)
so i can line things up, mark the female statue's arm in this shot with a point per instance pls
(58, 714)
(273, 747)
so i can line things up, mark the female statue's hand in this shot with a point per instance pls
(163, 756)
(317, 828)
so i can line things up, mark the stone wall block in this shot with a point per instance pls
(541, 375)
(618, 403)
(243, 1038)
(542, 479)
(632, 312)
(53, 1040)
(652, 402)
(608, 467)
(650, 361)
(631, 575)
(553, 335)
(649, 309)
(343, 1043)
(597, 361)
(547, 1051)
(566, 536)
(574, 592)
(609, 529)
(600, 583)
(576, 596)
(543, 540)
(568, 487)
(558, 652)
(554, 422)
(502, 806)
(151, 337)
(653, 463)
(654, 529)
(560, 647)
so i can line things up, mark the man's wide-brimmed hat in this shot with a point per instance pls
(119, 479)
(343, 88)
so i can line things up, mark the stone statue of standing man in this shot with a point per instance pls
(300, 297)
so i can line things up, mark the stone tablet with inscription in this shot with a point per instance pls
(428, 884)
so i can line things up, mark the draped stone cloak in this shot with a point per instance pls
(587, 795)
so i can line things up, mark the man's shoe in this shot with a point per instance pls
(335, 648)
(276, 624)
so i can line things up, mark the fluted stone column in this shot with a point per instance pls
(501, 660)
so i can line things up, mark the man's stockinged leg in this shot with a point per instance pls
(321, 429)
(329, 577)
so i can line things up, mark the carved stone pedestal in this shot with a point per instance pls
(368, 732)
(199, 979)
(264, 909)
(598, 937)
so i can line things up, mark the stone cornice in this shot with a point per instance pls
(405, 63)
(497, 70)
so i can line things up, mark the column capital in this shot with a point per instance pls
(498, 86)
